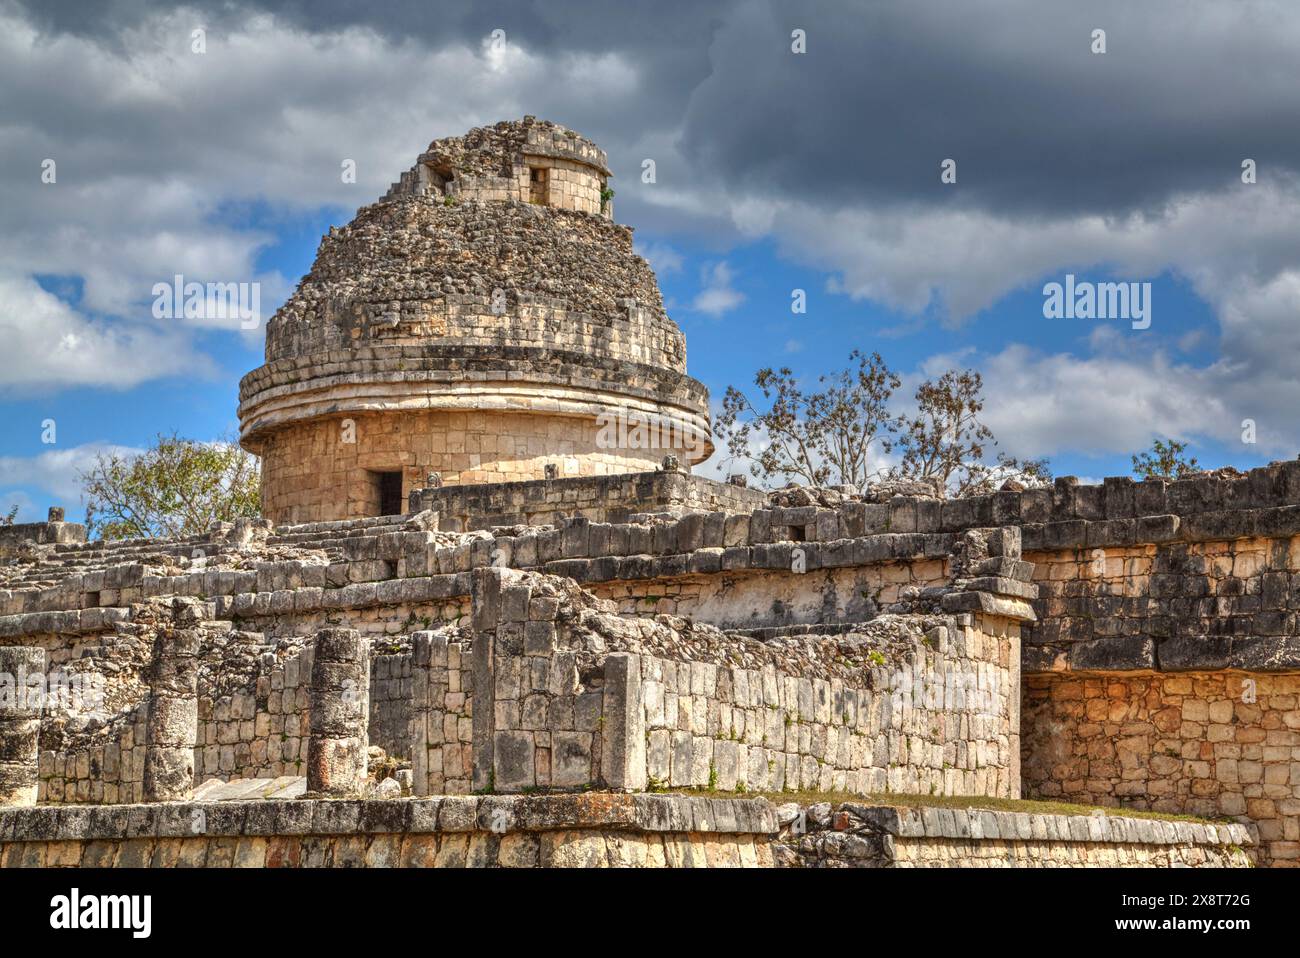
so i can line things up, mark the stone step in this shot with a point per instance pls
(249, 789)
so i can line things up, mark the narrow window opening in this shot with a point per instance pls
(539, 192)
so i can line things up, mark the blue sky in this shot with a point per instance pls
(775, 173)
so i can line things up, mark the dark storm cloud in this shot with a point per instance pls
(1037, 122)
(668, 38)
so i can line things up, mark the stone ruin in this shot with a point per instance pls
(476, 322)
(472, 631)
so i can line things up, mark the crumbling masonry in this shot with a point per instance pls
(474, 630)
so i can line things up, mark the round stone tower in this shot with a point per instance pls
(487, 320)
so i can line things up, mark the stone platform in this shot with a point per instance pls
(591, 830)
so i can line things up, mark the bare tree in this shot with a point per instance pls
(945, 440)
(1005, 472)
(824, 436)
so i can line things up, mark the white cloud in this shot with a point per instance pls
(47, 342)
(157, 145)
(1044, 404)
(717, 296)
(663, 259)
(55, 472)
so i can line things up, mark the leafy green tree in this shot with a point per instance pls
(1165, 460)
(177, 487)
(820, 436)
(8, 518)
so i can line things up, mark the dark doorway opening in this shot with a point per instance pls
(390, 493)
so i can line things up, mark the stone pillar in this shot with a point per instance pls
(172, 724)
(622, 736)
(340, 711)
(20, 723)
(486, 584)
(421, 704)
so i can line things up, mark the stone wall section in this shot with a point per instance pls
(257, 730)
(592, 831)
(598, 499)
(579, 698)
(108, 768)
(1188, 743)
(309, 473)
(742, 730)
(1225, 604)
(391, 698)
(496, 165)
(262, 599)
(333, 568)
(442, 712)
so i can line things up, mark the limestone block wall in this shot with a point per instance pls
(778, 597)
(107, 769)
(520, 322)
(1196, 573)
(23, 535)
(1213, 744)
(258, 730)
(1170, 605)
(600, 499)
(541, 713)
(590, 831)
(497, 164)
(260, 596)
(562, 183)
(261, 729)
(391, 697)
(577, 697)
(309, 473)
(381, 572)
(442, 713)
(570, 186)
(908, 730)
